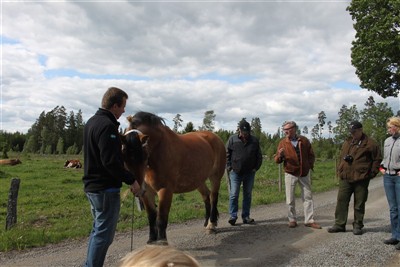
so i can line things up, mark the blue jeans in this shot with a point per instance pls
(392, 189)
(105, 211)
(235, 181)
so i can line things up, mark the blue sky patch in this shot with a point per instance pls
(346, 85)
(6, 40)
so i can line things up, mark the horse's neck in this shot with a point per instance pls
(162, 142)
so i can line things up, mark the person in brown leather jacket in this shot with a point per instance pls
(360, 159)
(297, 155)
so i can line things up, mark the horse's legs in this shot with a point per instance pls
(215, 185)
(205, 194)
(151, 209)
(164, 206)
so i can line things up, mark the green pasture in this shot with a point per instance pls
(52, 206)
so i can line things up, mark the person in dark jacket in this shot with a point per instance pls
(104, 173)
(360, 159)
(297, 155)
(243, 154)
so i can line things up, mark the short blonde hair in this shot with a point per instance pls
(158, 256)
(394, 121)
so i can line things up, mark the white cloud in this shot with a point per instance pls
(272, 60)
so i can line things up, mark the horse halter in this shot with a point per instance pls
(138, 132)
(143, 185)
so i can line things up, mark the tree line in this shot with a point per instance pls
(55, 132)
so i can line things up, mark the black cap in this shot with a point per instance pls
(354, 125)
(244, 126)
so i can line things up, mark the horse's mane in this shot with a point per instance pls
(148, 118)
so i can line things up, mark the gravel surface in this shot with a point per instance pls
(268, 243)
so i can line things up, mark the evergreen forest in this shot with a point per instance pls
(59, 132)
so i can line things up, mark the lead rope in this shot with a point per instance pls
(133, 213)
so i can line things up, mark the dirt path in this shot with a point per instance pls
(268, 243)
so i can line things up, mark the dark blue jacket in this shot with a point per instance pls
(103, 166)
(243, 158)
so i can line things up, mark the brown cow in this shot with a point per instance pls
(11, 162)
(73, 163)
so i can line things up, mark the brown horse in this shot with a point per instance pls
(173, 163)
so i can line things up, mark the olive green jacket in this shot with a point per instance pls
(366, 156)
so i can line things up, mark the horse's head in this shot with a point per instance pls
(150, 125)
(144, 121)
(135, 153)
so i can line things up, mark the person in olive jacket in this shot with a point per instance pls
(360, 159)
(243, 159)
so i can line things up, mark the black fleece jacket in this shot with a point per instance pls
(103, 163)
(243, 158)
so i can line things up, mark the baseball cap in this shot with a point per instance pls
(244, 126)
(354, 125)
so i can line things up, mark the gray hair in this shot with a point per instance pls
(293, 123)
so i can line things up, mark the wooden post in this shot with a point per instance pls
(280, 177)
(11, 219)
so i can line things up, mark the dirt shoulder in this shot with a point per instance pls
(268, 243)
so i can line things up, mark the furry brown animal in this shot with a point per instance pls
(11, 162)
(73, 163)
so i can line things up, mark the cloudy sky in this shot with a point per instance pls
(278, 61)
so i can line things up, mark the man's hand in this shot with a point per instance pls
(135, 189)
(281, 152)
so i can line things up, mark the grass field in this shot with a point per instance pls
(52, 206)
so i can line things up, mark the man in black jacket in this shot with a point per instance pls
(243, 155)
(104, 173)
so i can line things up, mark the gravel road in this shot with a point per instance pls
(268, 243)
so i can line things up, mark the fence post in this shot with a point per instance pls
(280, 177)
(11, 219)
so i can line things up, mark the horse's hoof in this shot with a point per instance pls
(211, 231)
(211, 226)
(162, 242)
(151, 242)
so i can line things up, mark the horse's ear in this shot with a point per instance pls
(143, 138)
(129, 118)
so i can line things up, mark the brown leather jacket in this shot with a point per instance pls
(366, 160)
(293, 165)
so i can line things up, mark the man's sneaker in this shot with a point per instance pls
(232, 220)
(357, 231)
(336, 229)
(292, 224)
(248, 220)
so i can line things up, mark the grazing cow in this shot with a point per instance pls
(11, 162)
(73, 163)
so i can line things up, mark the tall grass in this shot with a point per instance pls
(52, 206)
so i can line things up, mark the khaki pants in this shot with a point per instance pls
(306, 196)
